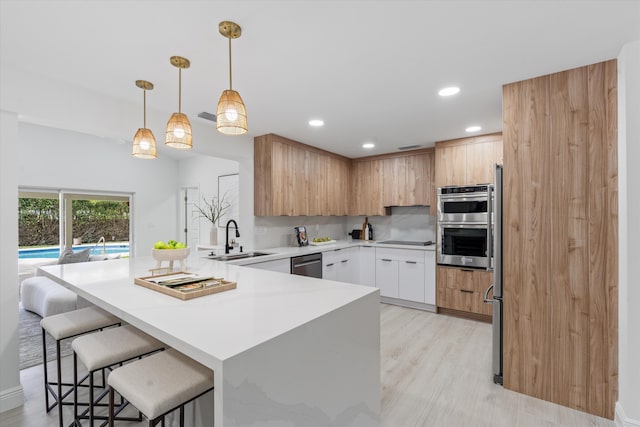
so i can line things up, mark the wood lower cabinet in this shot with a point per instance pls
(463, 289)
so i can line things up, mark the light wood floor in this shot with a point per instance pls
(435, 371)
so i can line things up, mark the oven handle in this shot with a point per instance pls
(477, 197)
(462, 224)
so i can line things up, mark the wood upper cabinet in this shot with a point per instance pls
(366, 187)
(468, 161)
(294, 179)
(405, 179)
(336, 174)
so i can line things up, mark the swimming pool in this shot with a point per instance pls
(54, 251)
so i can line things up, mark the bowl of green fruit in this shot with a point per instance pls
(318, 241)
(170, 251)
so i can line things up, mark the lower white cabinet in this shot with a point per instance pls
(341, 265)
(430, 277)
(367, 266)
(387, 277)
(279, 265)
(406, 274)
(411, 280)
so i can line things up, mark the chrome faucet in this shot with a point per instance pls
(228, 247)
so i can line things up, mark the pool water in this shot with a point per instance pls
(54, 252)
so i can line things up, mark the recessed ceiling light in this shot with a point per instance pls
(316, 122)
(448, 91)
(473, 129)
(368, 145)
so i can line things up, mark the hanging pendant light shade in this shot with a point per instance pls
(231, 114)
(144, 143)
(178, 133)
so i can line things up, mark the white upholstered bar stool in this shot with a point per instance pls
(105, 349)
(159, 384)
(61, 327)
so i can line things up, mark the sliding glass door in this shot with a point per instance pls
(73, 219)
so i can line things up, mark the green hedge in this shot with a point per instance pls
(39, 221)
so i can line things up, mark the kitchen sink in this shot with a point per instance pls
(242, 255)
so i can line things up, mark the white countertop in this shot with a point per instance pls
(289, 251)
(264, 305)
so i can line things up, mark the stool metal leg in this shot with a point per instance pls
(44, 365)
(111, 405)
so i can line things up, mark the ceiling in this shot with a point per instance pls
(370, 69)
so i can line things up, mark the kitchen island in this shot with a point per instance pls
(286, 350)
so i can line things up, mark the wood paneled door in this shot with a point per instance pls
(560, 238)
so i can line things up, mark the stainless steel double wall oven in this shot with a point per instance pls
(465, 222)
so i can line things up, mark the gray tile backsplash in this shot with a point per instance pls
(405, 223)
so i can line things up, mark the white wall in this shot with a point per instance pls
(628, 407)
(203, 172)
(11, 394)
(61, 159)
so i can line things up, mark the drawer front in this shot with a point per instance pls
(463, 300)
(400, 254)
(464, 279)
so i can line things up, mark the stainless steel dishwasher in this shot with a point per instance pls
(307, 265)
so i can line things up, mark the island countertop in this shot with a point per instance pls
(230, 331)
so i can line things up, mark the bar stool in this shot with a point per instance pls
(159, 384)
(105, 349)
(61, 327)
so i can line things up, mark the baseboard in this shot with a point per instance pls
(11, 398)
(622, 420)
(408, 304)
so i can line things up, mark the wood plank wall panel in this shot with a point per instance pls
(603, 234)
(568, 345)
(560, 239)
(526, 233)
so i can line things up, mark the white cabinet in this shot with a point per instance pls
(400, 273)
(430, 277)
(387, 277)
(341, 265)
(279, 265)
(367, 266)
(411, 280)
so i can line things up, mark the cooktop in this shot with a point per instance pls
(402, 242)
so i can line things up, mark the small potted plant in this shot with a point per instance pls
(213, 210)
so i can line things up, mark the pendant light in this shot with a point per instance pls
(231, 114)
(178, 134)
(144, 143)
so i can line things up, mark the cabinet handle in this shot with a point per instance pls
(467, 270)
(329, 265)
(466, 291)
(386, 260)
(411, 262)
(345, 260)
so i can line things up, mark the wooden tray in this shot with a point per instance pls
(205, 286)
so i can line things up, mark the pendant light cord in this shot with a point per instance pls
(179, 90)
(144, 103)
(230, 75)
